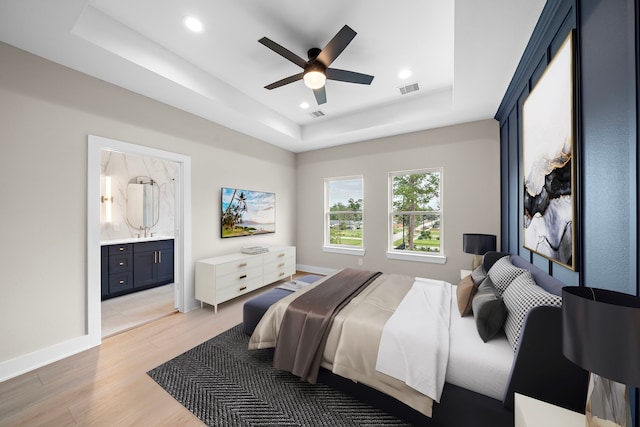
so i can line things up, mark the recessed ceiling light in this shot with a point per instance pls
(404, 74)
(193, 24)
(304, 105)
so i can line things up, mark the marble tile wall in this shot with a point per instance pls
(126, 168)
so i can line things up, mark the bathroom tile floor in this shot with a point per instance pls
(129, 311)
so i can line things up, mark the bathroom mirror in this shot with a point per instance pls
(143, 202)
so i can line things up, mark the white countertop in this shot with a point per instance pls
(133, 240)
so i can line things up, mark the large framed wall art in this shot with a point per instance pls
(548, 160)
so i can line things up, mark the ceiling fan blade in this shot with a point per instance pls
(285, 81)
(337, 44)
(348, 76)
(284, 52)
(321, 95)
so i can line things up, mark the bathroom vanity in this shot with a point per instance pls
(132, 265)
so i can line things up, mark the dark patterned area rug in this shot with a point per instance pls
(224, 384)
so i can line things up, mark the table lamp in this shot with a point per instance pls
(478, 245)
(601, 334)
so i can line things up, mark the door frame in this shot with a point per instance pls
(183, 273)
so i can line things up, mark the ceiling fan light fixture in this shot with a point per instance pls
(314, 79)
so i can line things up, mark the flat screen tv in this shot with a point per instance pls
(247, 213)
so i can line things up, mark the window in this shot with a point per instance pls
(415, 215)
(343, 215)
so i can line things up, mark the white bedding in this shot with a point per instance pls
(414, 346)
(473, 364)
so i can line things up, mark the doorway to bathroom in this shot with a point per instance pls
(174, 171)
(137, 214)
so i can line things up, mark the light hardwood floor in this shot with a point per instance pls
(130, 311)
(108, 385)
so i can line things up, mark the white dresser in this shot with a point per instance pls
(225, 277)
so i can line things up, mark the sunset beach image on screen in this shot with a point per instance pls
(247, 212)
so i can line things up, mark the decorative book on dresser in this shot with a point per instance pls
(222, 278)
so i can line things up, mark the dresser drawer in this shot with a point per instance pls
(279, 254)
(238, 289)
(120, 282)
(282, 264)
(119, 264)
(237, 278)
(238, 266)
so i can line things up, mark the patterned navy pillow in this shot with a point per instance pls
(521, 296)
(502, 274)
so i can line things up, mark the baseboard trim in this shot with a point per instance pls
(28, 362)
(315, 270)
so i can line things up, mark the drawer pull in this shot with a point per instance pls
(281, 255)
(244, 264)
(244, 276)
(281, 264)
(243, 288)
(121, 248)
(281, 274)
(121, 263)
(121, 282)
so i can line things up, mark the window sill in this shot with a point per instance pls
(344, 251)
(404, 256)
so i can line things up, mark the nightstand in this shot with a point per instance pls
(530, 412)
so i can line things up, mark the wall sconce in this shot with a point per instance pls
(107, 199)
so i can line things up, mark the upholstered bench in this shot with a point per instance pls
(254, 309)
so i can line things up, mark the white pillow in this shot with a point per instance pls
(502, 273)
(521, 296)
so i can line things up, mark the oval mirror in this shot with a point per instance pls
(143, 202)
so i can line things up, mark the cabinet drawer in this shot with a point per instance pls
(119, 264)
(238, 289)
(124, 248)
(120, 282)
(237, 278)
(238, 266)
(278, 255)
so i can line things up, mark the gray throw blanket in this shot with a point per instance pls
(308, 318)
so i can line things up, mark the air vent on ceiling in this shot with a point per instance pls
(413, 87)
(316, 114)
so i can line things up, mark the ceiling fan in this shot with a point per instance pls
(316, 68)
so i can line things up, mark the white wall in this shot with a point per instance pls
(46, 113)
(469, 155)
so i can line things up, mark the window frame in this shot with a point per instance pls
(332, 247)
(392, 253)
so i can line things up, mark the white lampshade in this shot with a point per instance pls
(314, 79)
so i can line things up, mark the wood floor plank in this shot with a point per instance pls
(108, 385)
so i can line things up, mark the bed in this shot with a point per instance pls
(479, 378)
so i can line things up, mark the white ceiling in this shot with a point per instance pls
(463, 55)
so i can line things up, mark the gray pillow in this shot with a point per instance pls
(488, 309)
(478, 275)
(502, 274)
(521, 296)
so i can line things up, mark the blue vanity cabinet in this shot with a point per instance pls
(131, 267)
(153, 263)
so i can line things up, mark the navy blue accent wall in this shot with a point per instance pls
(557, 21)
(607, 44)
